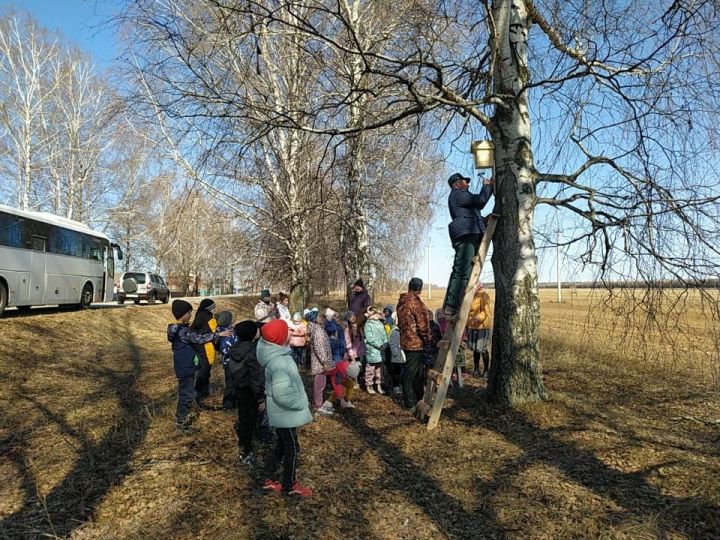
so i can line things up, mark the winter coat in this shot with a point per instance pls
(182, 339)
(359, 302)
(465, 212)
(337, 377)
(398, 356)
(283, 312)
(375, 338)
(413, 322)
(265, 313)
(298, 338)
(337, 339)
(479, 311)
(247, 371)
(285, 397)
(224, 344)
(321, 359)
(205, 322)
(354, 343)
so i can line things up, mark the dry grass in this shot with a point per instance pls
(88, 449)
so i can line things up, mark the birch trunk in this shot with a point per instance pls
(515, 375)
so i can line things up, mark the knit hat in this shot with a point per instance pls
(359, 283)
(353, 370)
(275, 332)
(297, 316)
(311, 316)
(246, 330)
(330, 313)
(265, 293)
(207, 304)
(389, 308)
(415, 284)
(456, 178)
(180, 308)
(224, 318)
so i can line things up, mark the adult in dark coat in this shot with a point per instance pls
(466, 230)
(359, 301)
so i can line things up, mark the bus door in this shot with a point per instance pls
(36, 290)
(109, 281)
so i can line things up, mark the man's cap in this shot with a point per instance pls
(265, 293)
(180, 308)
(456, 178)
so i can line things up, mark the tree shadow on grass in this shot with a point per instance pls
(402, 474)
(99, 467)
(693, 516)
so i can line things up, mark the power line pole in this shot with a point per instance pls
(557, 266)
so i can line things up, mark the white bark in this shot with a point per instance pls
(515, 375)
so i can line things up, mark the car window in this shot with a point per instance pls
(139, 277)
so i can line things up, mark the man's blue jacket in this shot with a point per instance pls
(465, 212)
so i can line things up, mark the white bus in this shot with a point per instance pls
(50, 260)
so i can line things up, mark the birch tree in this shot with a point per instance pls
(26, 86)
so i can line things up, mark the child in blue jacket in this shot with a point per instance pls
(185, 360)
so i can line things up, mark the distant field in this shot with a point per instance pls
(626, 447)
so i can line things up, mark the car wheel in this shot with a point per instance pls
(86, 297)
(167, 298)
(121, 301)
(3, 297)
(151, 299)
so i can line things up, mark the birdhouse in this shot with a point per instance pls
(482, 152)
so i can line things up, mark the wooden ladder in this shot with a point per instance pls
(440, 376)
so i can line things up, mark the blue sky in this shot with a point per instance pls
(83, 22)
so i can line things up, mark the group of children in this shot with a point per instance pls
(265, 380)
(262, 360)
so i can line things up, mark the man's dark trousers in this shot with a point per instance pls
(413, 379)
(466, 248)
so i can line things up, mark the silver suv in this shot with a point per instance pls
(137, 286)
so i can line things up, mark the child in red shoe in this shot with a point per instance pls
(287, 407)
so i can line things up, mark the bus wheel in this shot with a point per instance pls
(86, 297)
(3, 297)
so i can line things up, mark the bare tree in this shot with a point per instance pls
(26, 86)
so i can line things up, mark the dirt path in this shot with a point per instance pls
(88, 450)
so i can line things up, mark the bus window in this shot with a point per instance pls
(11, 230)
(39, 243)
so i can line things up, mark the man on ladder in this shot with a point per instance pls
(471, 242)
(466, 230)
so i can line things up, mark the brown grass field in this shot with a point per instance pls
(627, 446)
